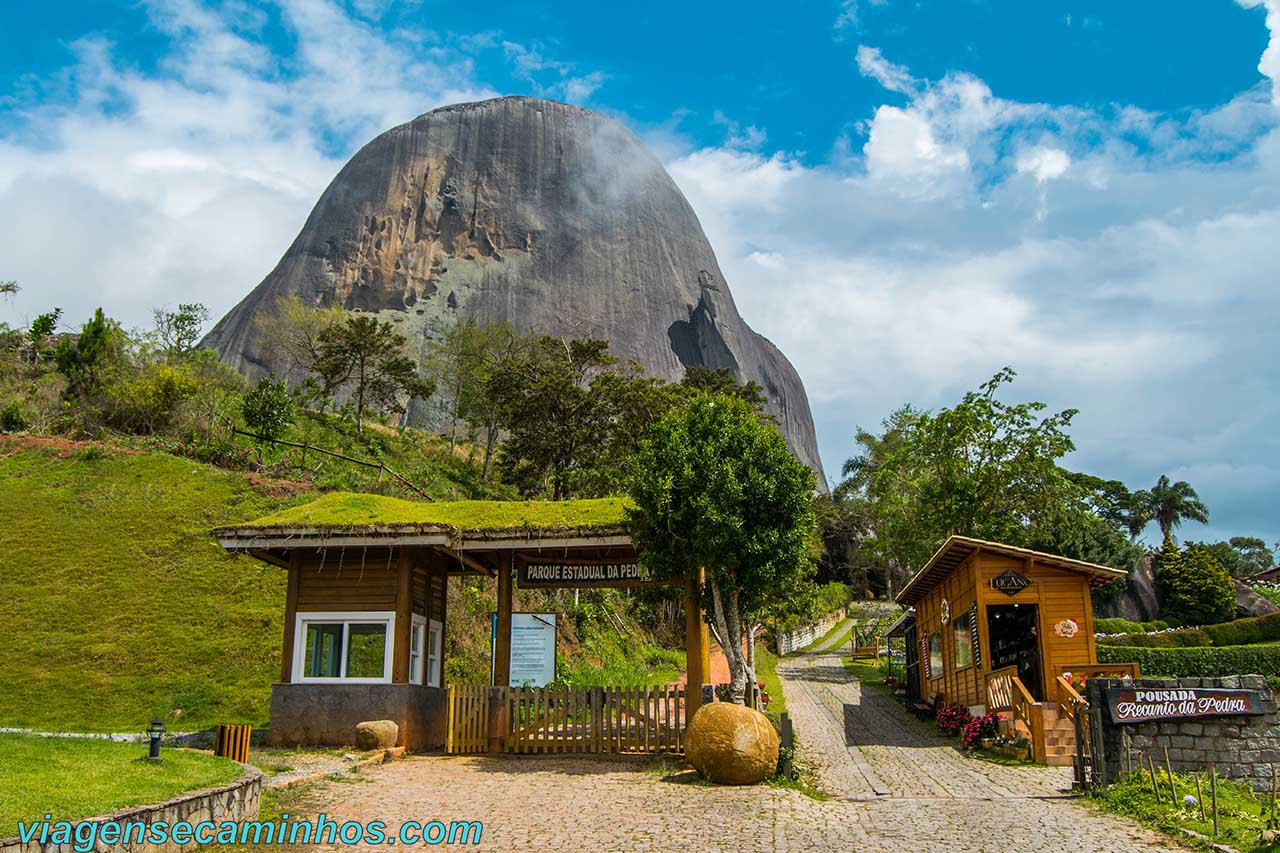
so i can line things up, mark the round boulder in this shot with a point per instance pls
(731, 744)
(377, 734)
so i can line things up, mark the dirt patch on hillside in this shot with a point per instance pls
(64, 447)
(280, 488)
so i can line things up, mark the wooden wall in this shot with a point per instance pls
(363, 580)
(1060, 594)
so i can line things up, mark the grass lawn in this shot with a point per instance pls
(1241, 812)
(767, 671)
(73, 778)
(119, 606)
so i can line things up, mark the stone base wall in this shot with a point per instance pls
(789, 641)
(326, 714)
(235, 802)
(1243, 747)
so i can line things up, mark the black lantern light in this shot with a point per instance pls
(155, 731)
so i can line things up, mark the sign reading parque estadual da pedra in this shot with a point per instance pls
(1140, 705)
(532, 574)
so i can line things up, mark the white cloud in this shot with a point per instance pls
(895, 78)
(131, 189)
(850, 15)
(566, 83)
(1269, 64)
(1042, 162)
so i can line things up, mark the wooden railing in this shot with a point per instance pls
(1007, 694)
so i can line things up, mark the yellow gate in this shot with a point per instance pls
(561, 720)
(468, 730)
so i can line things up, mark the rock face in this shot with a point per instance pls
(731, 745)
(550, 216)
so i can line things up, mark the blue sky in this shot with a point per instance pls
(905, 196)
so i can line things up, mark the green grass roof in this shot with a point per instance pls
(348, 511)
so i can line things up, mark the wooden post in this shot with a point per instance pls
(1213, 794)
(290, 615)
(502, 642)
(404, 619)
(697, 649)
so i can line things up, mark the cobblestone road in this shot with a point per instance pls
(896, 791)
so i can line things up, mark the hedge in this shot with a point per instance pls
(1180, 638)
(1242, 632)
(1126, 626)
(1201, 662)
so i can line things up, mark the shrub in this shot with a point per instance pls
(12, 418)
(988, 725)
(1125, 626)
(952, 718)
(268, 407)
(1242, 632)
(1180, 638)
(1201, 662)
(1196, 589)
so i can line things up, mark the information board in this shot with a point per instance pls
(533, 649)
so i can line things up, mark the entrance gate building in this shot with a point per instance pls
(366, 611)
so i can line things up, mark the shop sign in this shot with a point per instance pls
(1140, 705)
(1010, 583)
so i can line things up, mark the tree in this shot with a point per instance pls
(1169, 504)
(1195, 588)
(292, 332)
(9, 288)
(368, 357)
(982, 468)
(86, 358)
(267, 408)
(41, 329)
(555, 423)
(178, 331)
(1241, 556)
(716, 488)
(721, 381)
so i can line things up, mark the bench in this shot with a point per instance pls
(928, 709)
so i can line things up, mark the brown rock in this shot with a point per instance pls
(377, 734)
(731, 744)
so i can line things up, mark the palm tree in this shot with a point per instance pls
(1169, 504)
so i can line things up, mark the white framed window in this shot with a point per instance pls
(435, 648)
(417, 642)
(343, 647)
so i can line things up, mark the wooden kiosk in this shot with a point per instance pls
(366, 610)
(997, 627)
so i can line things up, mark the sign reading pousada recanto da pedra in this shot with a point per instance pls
(1139, 705)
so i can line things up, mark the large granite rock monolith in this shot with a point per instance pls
(731, 744)
(552, 217)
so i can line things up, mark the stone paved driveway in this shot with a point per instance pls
(894, 792)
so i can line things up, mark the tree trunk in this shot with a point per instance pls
(491, 437)
(729, 623)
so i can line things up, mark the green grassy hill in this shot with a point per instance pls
(117, 605)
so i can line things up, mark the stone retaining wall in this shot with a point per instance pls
(237, 801)
(1243, 747)
(789, 641)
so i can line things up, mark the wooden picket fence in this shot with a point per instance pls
(560, 720)
(468, 730)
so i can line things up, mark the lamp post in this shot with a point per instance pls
(155, 731)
